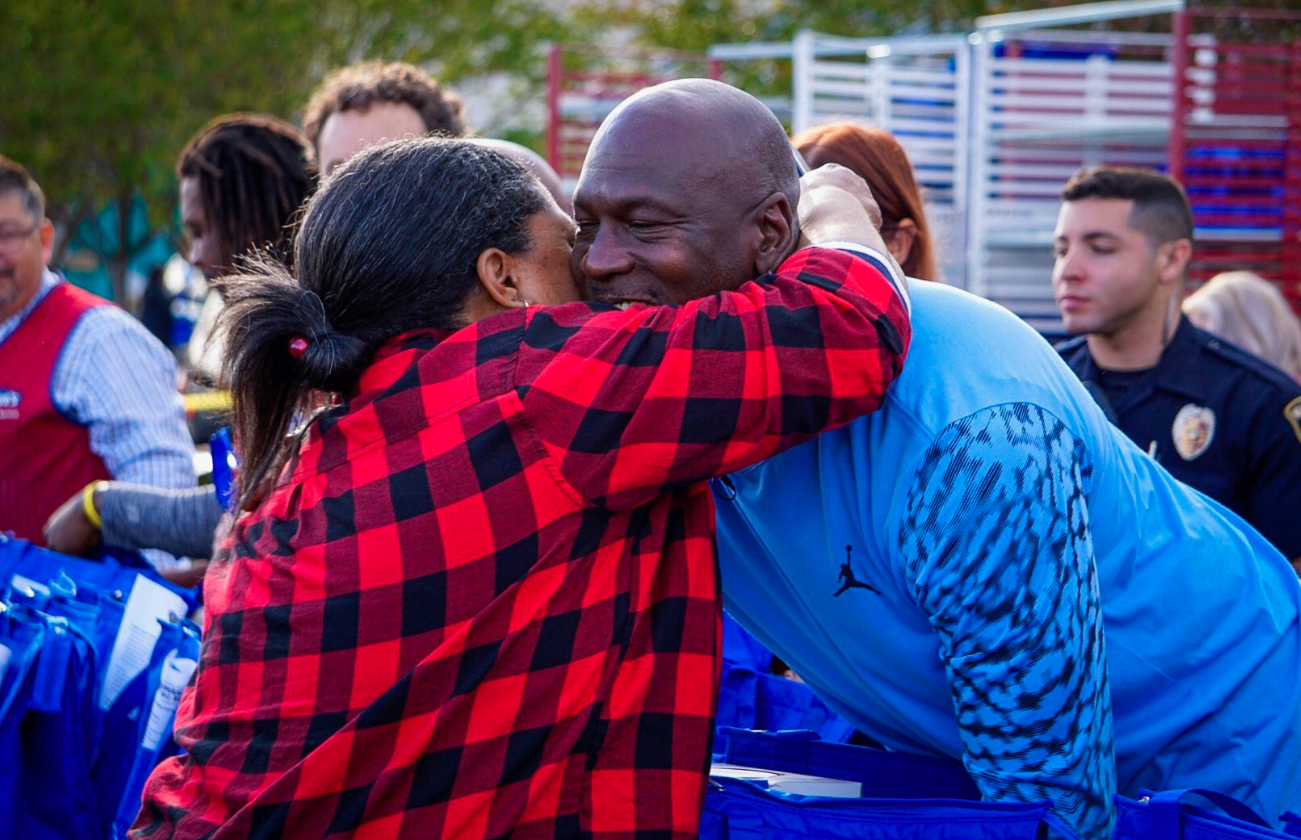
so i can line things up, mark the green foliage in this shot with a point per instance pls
(99, 97)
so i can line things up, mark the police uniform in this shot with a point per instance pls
(1218, 418)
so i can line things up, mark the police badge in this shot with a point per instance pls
(1193, 430)
(1292, 411)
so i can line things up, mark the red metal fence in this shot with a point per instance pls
(1235, 139)
(585, 84)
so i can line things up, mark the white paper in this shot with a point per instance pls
(137, 635)
(176, 675)
(790, 782)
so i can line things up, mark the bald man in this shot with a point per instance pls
(985, 568)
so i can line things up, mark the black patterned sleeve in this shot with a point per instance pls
(996, 542)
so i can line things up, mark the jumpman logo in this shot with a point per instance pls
(847, 575)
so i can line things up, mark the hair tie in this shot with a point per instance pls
(297, 346)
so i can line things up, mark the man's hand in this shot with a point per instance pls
(837, 206)
(68, 531)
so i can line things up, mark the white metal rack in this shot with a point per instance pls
(995, 122)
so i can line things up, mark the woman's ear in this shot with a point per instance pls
(777, 233)
(496, 276)
(901, 239)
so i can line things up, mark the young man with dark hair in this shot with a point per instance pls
(86, 393)
(1219, 419)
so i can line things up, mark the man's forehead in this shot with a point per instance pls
(13, 207)
(1111, 214)
(628, 170)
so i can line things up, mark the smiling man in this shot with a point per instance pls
(86, 393)
(1218, 418)
(984, 568)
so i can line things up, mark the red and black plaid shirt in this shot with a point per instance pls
(482, 600)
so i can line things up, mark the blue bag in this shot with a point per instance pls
(114, 572)
(21, 637)
(138, 727)
(59, 732)
(751, 698)
(883, 774)
(1166, 816)
(736, 809)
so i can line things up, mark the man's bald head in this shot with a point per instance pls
(689, 187)
(736, 133)
(533, 162)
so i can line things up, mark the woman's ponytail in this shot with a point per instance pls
(389, 244)
(281, 350)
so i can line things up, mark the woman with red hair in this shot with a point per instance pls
(878, 158)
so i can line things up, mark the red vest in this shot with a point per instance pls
(44, 457)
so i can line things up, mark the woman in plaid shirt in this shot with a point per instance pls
(476, 595)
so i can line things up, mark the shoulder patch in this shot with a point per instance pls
(1292, 411)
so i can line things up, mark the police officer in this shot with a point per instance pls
(1218, 418)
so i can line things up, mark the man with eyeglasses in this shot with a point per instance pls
(86, 393)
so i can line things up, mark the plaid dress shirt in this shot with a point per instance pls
(482, 600)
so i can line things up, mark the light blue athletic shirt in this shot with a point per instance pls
(987, 504)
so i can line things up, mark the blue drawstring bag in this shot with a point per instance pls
(736, 809)
(138, 726)
(112, 572)
(751, 698)
(1169, 816)
(59, 734)
(21, 637)
(883, 774)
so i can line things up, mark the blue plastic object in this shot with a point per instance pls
(223, 466)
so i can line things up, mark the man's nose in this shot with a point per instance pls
(1067, 266)
(196, 258)
(606, 256)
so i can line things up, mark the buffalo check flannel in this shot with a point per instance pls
(482, 600)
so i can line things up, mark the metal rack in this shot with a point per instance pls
(997, 120)
(1235, 140)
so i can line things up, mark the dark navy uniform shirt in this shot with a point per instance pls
(1219, 419)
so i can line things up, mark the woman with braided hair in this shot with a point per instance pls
(244, 178)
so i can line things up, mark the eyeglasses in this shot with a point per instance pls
(11, 239)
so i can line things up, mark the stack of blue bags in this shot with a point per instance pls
(73, 757)
(901, 797)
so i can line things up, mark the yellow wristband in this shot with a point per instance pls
(88, 505)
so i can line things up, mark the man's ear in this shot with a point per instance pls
(1172, 259)
(777, 232)
(494, 268)
(47, 240)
